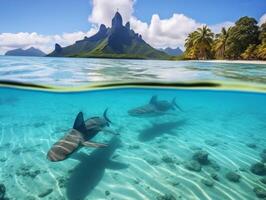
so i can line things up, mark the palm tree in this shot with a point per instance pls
(191, 51)
(220, 42)
(203, 39)
(190, 40)
(261, 51)
(250, 52)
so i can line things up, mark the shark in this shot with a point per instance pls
(155, 107)
(79, 136)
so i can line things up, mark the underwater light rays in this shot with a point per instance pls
(37, 133)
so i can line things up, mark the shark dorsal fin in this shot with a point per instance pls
(153, 99)
(79, 123)
(105, 116)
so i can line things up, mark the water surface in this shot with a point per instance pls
(156, 157)
(80, 71)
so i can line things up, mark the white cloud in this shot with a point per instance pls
(169, 32)
(104, 10)
(46, 43)
(216, 28)
(262, 19)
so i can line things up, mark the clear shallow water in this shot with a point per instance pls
(75, 71)
(150, 157)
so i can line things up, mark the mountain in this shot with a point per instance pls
(116, 42)
(27, 52)
(172, 52)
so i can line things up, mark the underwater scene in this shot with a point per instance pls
(132, 143)
(132, 100)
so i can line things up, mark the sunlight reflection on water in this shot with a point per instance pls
(79, 71)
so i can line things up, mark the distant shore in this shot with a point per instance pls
(260, 62)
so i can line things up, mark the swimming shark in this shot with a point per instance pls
(154, 108)
(79, 136)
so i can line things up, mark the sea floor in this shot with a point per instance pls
(160, 158)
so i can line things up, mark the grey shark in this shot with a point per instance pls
(154, 108)
(79, 136)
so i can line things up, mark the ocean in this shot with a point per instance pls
(82, 71)
(189, 133)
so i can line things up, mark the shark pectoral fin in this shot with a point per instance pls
(93, 144)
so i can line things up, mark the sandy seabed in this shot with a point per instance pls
(202, 153)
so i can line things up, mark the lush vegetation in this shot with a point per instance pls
(135, 49)
(244, 40)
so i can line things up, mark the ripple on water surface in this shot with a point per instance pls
(80, 71)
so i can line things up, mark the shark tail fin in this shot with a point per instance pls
(105, 116)
(153, 99)
(175, 104)
(79, 123)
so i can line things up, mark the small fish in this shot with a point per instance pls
(154, 108)
(79, 136)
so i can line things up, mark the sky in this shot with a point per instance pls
(162, 23)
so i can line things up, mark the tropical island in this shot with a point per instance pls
(118, 41)
(25, 52)
(246, 40)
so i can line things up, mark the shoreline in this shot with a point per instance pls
(260, 62)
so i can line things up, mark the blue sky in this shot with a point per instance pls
(205, 11)
(58, 16)
(162, 23)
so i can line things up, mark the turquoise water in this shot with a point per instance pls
(213, 148)
(151, 158)
(69, 71)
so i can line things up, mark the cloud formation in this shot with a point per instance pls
(169, 32)
(216, 28)
(262, 19)
(104, 10)
(46, 43)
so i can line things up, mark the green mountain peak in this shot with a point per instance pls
(116, 42)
